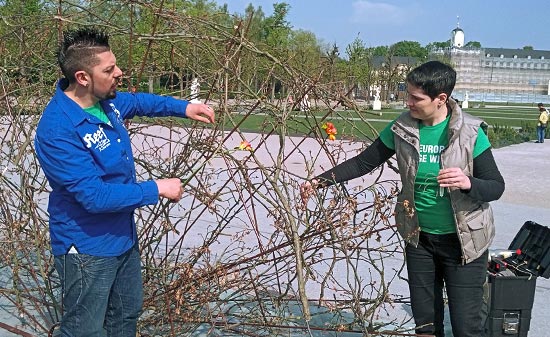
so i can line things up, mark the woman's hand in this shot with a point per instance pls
(454, 177)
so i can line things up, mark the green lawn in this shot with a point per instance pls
(353, 123)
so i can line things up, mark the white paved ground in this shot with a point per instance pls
(526, 169)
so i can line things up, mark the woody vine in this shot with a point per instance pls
(239, 254)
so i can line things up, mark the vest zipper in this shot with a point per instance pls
(463, 257)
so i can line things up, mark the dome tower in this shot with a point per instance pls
(457, 36)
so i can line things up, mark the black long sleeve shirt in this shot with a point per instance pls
(487, 184)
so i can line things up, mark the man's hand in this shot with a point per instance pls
(200, 112)
(170, 188)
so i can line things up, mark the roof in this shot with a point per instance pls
(519, 53)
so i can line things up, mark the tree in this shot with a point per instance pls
(200, 7)
(331, 55)
(409, 48)
(276, 31)
(359, 69)
(23, 35)
(306, 49)
(472, 44)
(244, 202)
(255, 18)
(276, 28)
(379, 51)
(438, 45)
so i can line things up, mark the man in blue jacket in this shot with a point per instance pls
(85, 152)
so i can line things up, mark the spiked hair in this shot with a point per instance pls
(79, 49)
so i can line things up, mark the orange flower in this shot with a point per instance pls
(245, 146)
(330, 129)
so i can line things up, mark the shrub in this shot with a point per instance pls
(501, 136)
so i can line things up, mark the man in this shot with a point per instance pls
(85, 153)
(541, 124)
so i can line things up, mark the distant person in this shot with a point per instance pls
(86, 154)
(542, 122)
(448, 176)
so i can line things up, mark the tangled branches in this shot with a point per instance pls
(238, 255)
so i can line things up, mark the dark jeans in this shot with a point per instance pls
(102, 296)
(541, 130)
(435, 263)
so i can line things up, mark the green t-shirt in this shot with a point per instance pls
(97, 111)
(433, 205)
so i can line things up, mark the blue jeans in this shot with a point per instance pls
(102, 296)
(436, 263)
(540, 133)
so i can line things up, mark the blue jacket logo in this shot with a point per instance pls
(98, 139)
(117, 113)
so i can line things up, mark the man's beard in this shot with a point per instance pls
(111, 95)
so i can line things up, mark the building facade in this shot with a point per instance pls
(498, 74)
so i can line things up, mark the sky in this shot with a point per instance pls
(495, 24)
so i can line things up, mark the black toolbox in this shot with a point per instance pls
(512, 281)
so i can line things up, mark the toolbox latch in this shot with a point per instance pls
(510, 324)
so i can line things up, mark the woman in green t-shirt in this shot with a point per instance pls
(448, 176)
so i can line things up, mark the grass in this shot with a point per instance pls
(504, 117)
(365, 124)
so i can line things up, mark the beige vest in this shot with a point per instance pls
(473, 218)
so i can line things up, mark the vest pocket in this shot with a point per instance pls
(479, 225)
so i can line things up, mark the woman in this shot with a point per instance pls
(448, 177)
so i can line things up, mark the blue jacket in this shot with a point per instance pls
(90, 168)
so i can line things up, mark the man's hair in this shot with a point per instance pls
(433, 78)
(540, 105)
(79, 51)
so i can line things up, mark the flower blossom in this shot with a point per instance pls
(245, 146)
(330, 129)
